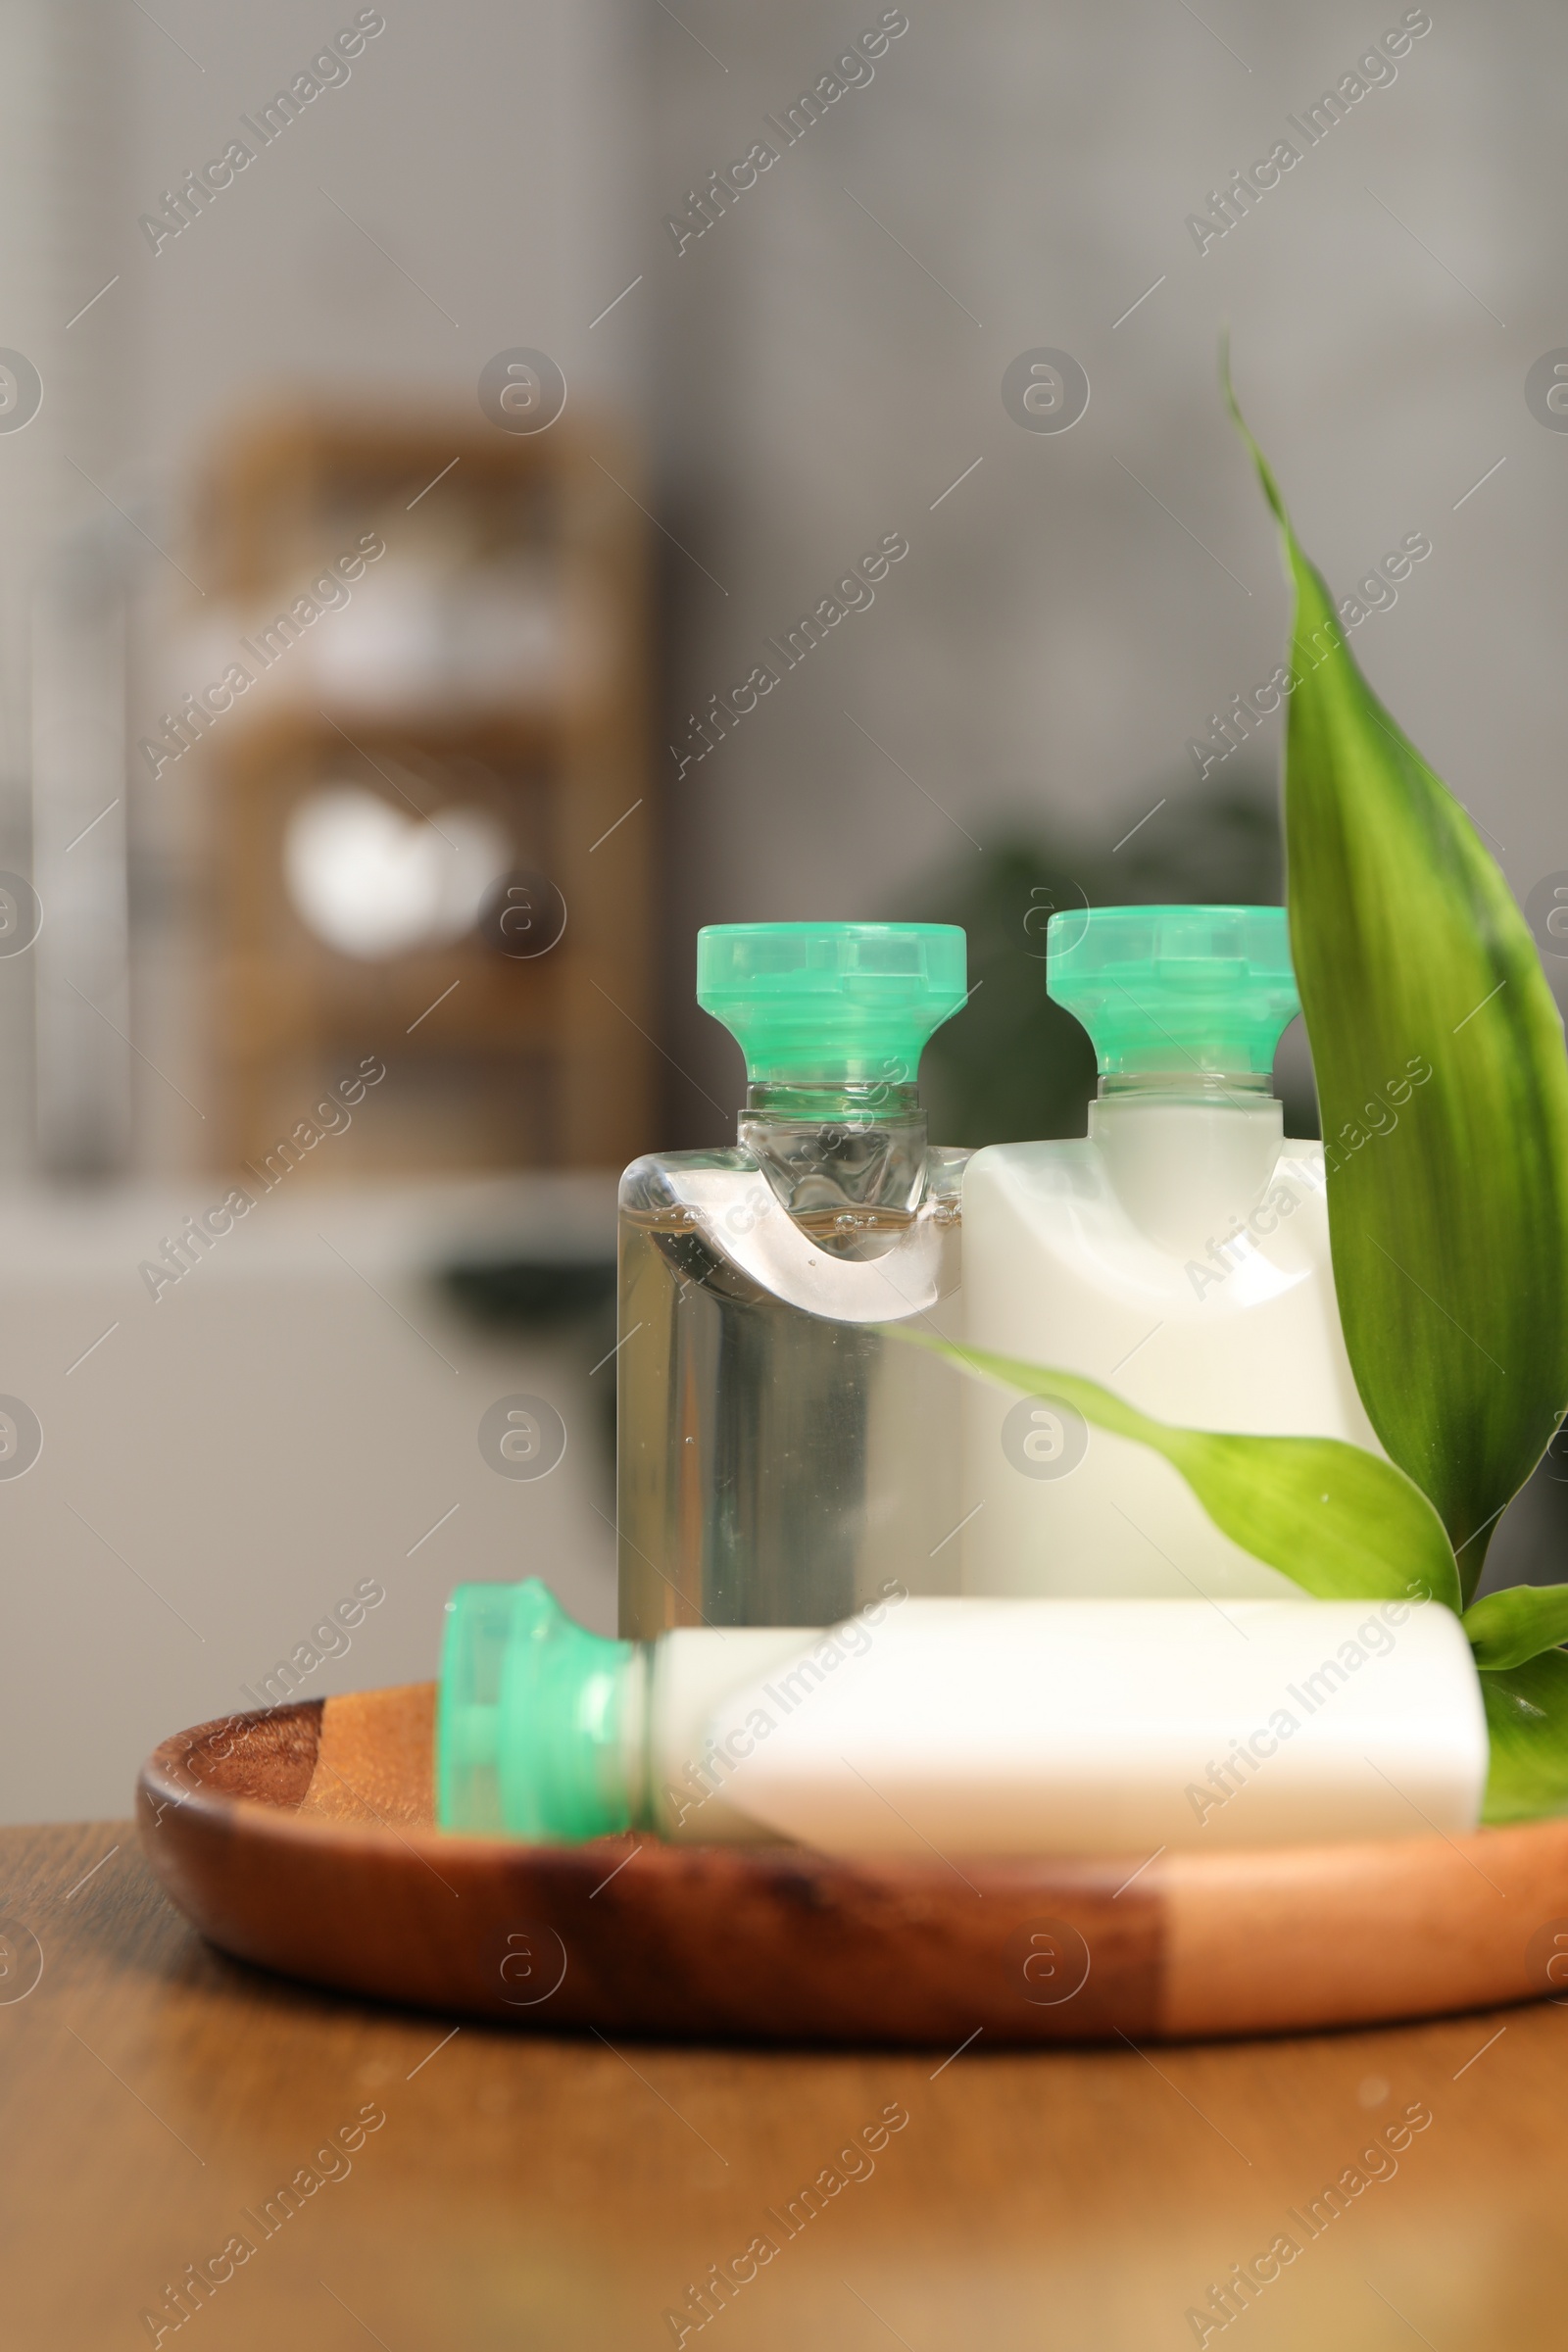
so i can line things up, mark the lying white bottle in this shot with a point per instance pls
(1179, 1254)
(962, 1728)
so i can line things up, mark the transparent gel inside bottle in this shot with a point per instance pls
(779, 1456)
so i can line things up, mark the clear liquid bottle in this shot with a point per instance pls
(780, 1457)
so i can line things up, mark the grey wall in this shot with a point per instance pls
(806, 381)
(1062, 628)
(468, 189)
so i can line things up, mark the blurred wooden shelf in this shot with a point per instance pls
(496, 1057)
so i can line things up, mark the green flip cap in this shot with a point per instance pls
(1175, 988)
(843, 1002)
(534, 1728)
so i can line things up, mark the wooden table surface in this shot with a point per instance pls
(527, 2190)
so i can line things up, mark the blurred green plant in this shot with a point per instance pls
(1012, 1066)
(1450, 1240)
(1346, 1525)
(1341, 1523)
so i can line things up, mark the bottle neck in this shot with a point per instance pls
(1189, 1153)
(1240, 1087)
(849, 1156)
(865, 1102)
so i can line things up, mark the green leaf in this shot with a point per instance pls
(1341, 1523)
(1527, 1717)
(1507, 1628)
(1441, 1068)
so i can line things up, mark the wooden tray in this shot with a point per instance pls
(301, 1838)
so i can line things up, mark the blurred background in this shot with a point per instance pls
(421, 433)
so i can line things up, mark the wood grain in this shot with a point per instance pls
(301, 1841)
(558, 2190)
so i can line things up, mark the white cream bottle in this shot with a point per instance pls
(955, 1726)
(1178, 1254)
(1085, 1727)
